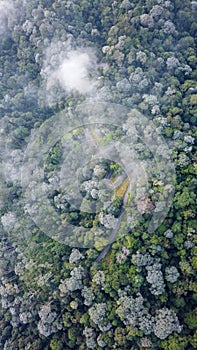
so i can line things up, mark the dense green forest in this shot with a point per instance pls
(98, 108)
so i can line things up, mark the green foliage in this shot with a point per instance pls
(120, 334)
(191, 319)
(115, 168)
(54, 158)
(193, 340)
(55, 344)
(174, 343)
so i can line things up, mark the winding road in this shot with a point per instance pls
(114, 233)
(112, 186)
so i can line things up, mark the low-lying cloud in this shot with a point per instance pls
(7, 14)
(72, 71)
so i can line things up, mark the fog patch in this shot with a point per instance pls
(74, 73)
(7, 15)
(68, 70)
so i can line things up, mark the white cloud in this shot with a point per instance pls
(73, 73)
(7, 14)
(67, 70)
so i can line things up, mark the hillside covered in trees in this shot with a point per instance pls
(98, 108)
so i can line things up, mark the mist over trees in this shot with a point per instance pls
(63, 61)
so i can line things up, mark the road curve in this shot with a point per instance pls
(114, 185)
